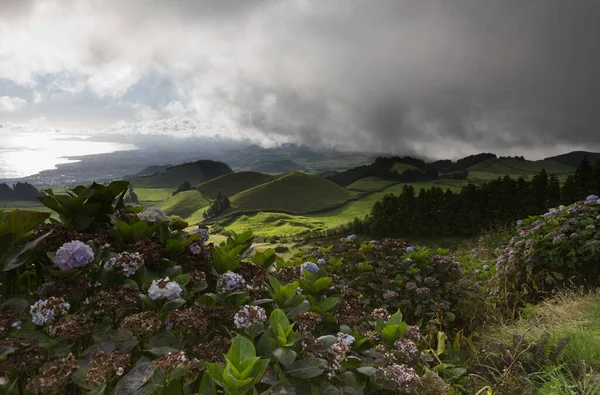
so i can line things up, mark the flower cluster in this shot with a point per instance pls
(346, 338)
(406, 350)
(232, 282)
(195, 248)
(404, 377)
(164, 289)
(153, 214)
(48, 310)
(248, 316)
(549, 249)
(127, 262)
(203, 232)
(309, 266)
(72, 255)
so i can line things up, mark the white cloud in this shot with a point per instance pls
(38, 97)
(11, 103)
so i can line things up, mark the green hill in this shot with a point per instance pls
(516, 167)
(232, 184)
(184, 204)
(277, 167)
(368, 184)
(400, 167)
(574, 158)
(293, 192)
(195, 172)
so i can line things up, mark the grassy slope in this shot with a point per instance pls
(574, 158)
(400, 167)
(368, 184)
(232, 184)
(184, 204)
(570, 315)
(501, 167)
(296, 192)
(173, 177)
(275, 224)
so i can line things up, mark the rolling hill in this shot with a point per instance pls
(292, 192)
(400, 167)
(516, 167)
(277, 167)
(574, 158)
(195, 172)
(232, 184)
(184, 204)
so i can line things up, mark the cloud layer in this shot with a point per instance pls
(444, 78)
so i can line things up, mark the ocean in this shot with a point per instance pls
(25, 153)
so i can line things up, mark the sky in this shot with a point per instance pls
(438, 78)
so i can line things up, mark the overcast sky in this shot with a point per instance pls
(443, 78)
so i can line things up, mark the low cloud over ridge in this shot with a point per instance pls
(445, 78)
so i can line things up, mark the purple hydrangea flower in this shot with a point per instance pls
(520, 223)
(592, 198)
(311, 267)
(203, 232)
(72, 255)
(410, 249)
(195, 248)
(351, 238)
(232, 282)
(321, 261)
(127, 262)
(248, 316)
(17, 324)
(164, 289)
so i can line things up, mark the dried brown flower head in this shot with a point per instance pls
(27, 356)
(214, 350)
(53, 376)
(115, 300)
(73, 327)
(307, 321)
(103, 366)
(151, 251)
(186, 319)
(145, 323)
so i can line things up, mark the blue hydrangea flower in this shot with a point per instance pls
(410, 249)
(201, 231)
(592, 198)
(72, 255)
(195, 248)
(164, 289)
(231, 281)
(309, 266)
(571, 211)
(321, 261)
(346, 338)
(351, 238)
(48, 310)
(520, 223)
(17, 324)
(153, 214)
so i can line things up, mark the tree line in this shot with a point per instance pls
(435, 212)
(19, 191)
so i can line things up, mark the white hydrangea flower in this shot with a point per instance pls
(153, 214)
(249, 315)
(164, 289)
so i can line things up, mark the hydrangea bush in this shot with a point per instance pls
(150, 308)
(550, 251)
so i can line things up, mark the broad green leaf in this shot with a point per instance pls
(307, 368)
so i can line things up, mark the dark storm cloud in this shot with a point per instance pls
(436, 76)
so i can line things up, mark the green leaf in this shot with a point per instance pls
(441, 343)
(285, 356)
(307, 368)
(132, 381)
(395, 319)
(174, 304)
(240, 350)
(367, 370)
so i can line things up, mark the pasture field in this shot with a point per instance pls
(232, 184)
(285, 225)
(369, 184)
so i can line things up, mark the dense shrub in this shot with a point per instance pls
(558, 248)
(149, 308)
